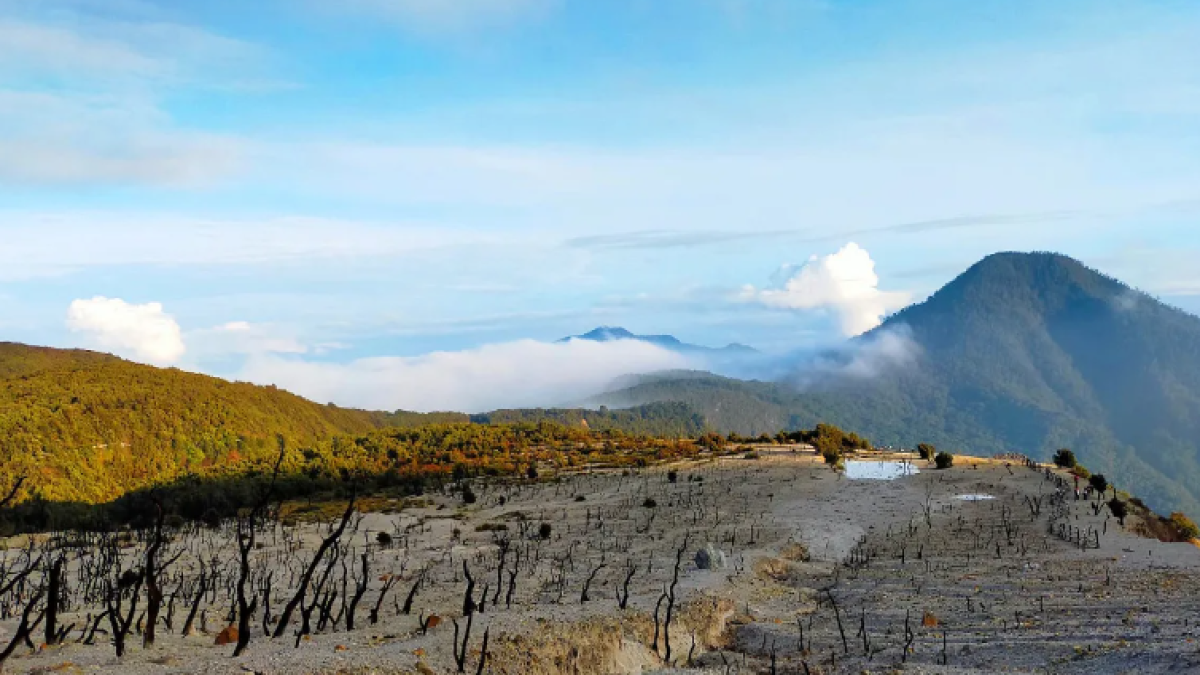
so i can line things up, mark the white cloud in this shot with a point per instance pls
(81, 101)
(512, 374)
(844, 283)
(452, 16)
(862, 359)
(242, 337)
(47, 244)
(143, 332)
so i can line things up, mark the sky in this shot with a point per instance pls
(404, 203)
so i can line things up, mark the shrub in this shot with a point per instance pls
(832, 456)
(1119, 510)
(1081, 471)
(1184, 527)
(1098, 482)
(531, 472)
(544, 530)
(384, 539)
(580, 498)
(672, 476)
(1065, 459)
(926, 451)
(468, 496)
(944, 460)
(649, 503)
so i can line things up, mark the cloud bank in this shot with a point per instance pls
(142, 332)
(844, 283)
(524, 373)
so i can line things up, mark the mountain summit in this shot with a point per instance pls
(610, 333)
(1023, 352)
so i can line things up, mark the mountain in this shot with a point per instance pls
(610, 333)
(87, 426)
(1023, 352)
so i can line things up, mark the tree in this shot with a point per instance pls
(944, 460)
(1098, 482)
(1065, 459)
(1119, 510)
(926, 451)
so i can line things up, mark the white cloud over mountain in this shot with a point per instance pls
(844, 283)
(142, 332)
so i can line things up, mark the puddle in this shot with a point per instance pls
(974, 498)
(878, 470)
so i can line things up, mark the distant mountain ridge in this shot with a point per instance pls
(1022, 352)
(611, 333)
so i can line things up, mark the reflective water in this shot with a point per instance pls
(974, 498)
(878, 470)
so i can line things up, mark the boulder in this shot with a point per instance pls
(710, 558)
(228, 636)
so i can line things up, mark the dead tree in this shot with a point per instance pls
(201, 591)
(153, 570)
(412, 592)
(129, 583)
(623, 595)
(306, 577)
(583, 596)
(246, 533)
(360, 589)
(53, 598)
(387, 586)
(671, 601)
(460, 648)
(838, 616)
(27, 625)
(12, 493)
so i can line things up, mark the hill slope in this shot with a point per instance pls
(1024, 352)
(87, 426)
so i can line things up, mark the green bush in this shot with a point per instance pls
(944, 460)
(1184, 527)
(1119, 510)
(1065, 459)
(544, 530)
(1098, 482)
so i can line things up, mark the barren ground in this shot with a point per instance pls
(985, 586)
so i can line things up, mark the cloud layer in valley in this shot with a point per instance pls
(844, 283)
(524, 373)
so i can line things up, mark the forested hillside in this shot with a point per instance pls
(661, 419)
(1022, 352)
(88, 426)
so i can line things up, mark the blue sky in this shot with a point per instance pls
(305, 186)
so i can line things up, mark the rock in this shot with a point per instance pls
(228, 636)
(710, 558)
